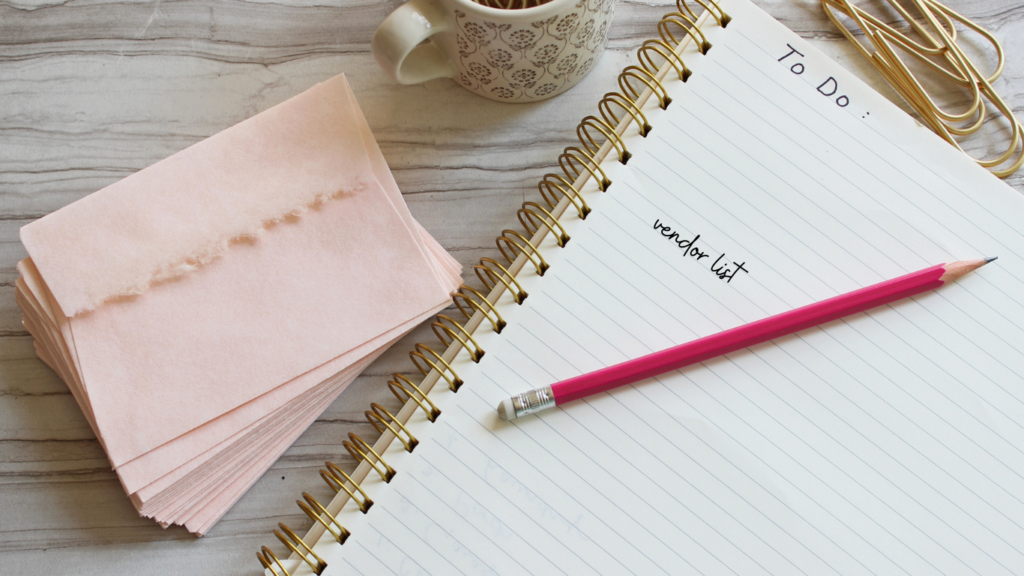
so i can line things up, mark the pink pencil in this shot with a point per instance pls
(734, 339)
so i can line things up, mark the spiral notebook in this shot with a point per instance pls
(889, 442)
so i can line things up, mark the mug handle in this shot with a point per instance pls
(398, 44)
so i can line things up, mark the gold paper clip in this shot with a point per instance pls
(939, 53)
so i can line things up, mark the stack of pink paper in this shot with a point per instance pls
(207, 309)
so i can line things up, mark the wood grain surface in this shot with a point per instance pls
(94, 90)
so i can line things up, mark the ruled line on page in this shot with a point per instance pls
(907, 156)
(611, 246)
(653, 404)
(702, 168)
(450, 479)
(483, 454)
(740, 61)
(952, 352)
(556, 301)
(625, 282)
(723, 117)
(992, 404)
(885, 442)
(612, 271)
(728, 119)
(724, 565)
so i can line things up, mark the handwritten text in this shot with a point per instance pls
(722, 267)
(827, 88)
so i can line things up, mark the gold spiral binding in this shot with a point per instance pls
(686, 24)
(552, 182)
(539, 262)
(265, 555)
(721, 17)
(526, 214)
(565, 161)
(583, 133)
(577, 164)
(487, 275)
(649, 80)
(400, 382)
(665, 51)
(360, 450)
(497, 322)
(605, 107)
(377, 414)
(440, 329)
(338, 480)
(454, 382)
(317, 513)
(299, 546)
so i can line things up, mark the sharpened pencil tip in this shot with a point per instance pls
(990, 259)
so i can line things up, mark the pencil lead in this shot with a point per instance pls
(990, 258)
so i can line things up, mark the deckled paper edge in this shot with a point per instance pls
(216, 249)
(88, 297)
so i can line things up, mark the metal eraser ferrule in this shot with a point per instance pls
(533, 401)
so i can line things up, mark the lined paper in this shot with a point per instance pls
(890, 442)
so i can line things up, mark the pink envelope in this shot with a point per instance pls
(188, 303)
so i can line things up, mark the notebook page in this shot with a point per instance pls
(888, 442)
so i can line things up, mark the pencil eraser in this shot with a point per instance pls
(506, 410)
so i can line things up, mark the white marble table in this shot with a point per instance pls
(93, 90)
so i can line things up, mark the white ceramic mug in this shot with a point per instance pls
(521, 55)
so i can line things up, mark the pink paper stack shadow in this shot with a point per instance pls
(205, 310)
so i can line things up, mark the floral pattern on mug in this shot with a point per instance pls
(535, 61)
